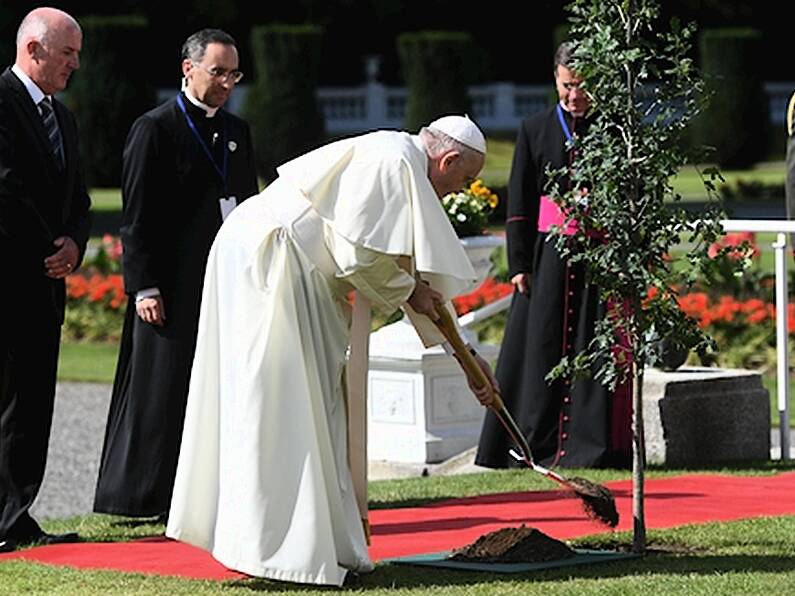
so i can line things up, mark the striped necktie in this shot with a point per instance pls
(52, 130)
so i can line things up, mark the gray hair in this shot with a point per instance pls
(437, 143)
(563, 56)
(194, 47)
(38, 26)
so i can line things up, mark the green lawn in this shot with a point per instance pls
(105, 199)
(744, 557)
(688, 183)
(94, 363)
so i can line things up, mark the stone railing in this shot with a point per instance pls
(497, 107)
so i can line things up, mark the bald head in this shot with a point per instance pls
(48, 48)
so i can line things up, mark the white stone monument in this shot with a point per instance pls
(420, 409)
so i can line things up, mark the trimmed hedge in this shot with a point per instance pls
(437, 67)
(112, 88)
(281, 105)
(736, 121)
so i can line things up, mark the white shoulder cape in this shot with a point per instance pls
(374, 191)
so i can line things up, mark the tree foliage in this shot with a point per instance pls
(644, 91)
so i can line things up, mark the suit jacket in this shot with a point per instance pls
(38, 201)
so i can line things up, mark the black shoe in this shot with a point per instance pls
(45, 538)
(8, 545)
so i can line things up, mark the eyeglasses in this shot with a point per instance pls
(220, 73)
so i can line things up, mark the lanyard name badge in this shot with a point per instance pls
(228, 202)
(564, 126)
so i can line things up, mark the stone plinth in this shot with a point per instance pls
(420, 409)
(705, 416)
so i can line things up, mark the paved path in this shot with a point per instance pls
(78, 429)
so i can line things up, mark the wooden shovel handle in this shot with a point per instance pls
(465, 357)
(473, 370)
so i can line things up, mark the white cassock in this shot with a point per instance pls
(263, 481)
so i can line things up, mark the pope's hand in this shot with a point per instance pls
(424, 300)
(151, 310)
(484, 393)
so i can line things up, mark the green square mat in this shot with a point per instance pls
(583, 557)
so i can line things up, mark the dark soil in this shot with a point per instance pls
(597, 500)
(513, 545)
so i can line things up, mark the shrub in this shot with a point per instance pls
(281, 105)
(736, 121)
(437, 68)
(112, 88)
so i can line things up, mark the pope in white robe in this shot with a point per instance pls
(263, 480)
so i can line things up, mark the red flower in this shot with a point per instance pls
(489, 291)
(734, 242)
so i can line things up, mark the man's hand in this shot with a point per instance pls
(424, 300)
(63, 262)
(521, 282)
(485, 394)
(151, 310)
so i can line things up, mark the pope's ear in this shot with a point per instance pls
(448, 159)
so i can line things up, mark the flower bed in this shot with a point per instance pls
(95, 298)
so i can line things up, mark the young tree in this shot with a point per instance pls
(644, 92)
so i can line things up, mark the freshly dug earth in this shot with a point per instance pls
(513, 545)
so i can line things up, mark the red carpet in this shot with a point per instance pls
(444, 525)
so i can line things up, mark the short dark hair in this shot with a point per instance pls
(195, 46)
(562, 56)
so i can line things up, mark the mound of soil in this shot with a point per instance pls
(513, 545)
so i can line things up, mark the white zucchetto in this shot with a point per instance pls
(462, 129)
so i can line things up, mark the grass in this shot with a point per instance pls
(87, 362)
(688, 183)
(743, 557)
(105, 199)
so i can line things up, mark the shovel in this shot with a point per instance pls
(597, 500)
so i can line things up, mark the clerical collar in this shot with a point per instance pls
(208, 111)
(573, 114)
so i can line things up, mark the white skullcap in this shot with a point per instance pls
(462, 129)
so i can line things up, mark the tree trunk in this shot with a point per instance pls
(638, 461)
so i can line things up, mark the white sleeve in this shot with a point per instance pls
(146, 293)
(377, 275)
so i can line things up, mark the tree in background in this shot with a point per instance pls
(281, 105)
(644, 92)
(437, 67)
(111, 89)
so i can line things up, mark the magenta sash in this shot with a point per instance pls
(549, 214)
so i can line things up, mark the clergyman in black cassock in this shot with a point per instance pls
(44, 226)
(553, 312)
(184, 163)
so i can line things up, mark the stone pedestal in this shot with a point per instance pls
(420, 409)
(705, 415)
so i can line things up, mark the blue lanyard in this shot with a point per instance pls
(564, 126)
(221, 172)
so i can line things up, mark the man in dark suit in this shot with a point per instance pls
(186, 164)
(44, 225)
